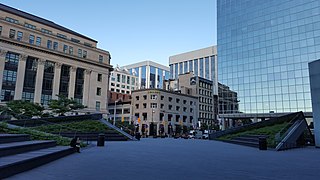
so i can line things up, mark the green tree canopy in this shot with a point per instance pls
(21, 109)
(63, 105)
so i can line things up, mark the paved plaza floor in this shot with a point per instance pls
(177, 159)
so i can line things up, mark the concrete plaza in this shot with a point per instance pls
(180, 159)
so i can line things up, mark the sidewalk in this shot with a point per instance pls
(180, 159)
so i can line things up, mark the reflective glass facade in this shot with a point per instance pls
(264, 48)
(150, 74)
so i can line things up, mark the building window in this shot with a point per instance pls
(49, 44)
(191, 110)
(137, 98)
(184, 101)
(0, 30)
(184, 109)
(55, 46)
(123, 86)
(170, 99)
(191, 103)
(70, 50)
(12, 20)
(38, 42)
(153, 105)
(100, 58)
(62, 36)
(75, 40)
(128, 79)
(46, 31)
(9, 78)
(144, 105)
(144, 97)
(162, 97)
(137, 106)
(98, 105)
(30, 26)
(12, 33)
(123, 79)
(79, 52)
(177, 108)
(84, 54)
(45, 99)
(118, 77)
(177, 100)
(153, 97)
(19, 36)
(161, 106)
(87, 44)
(170, 107)
(31, 39)
(98, 91)
(99, 77)
(65, 48)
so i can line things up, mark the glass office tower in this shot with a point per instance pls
(264, 47)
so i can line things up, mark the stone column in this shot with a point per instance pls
(20, 77)
(39, 81)
(72, 81)
(56, 80)
(86, 85)
(104, 93)
(2, 63)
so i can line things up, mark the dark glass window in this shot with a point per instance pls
(49, 44)
(31, 39)
(99, 77)
(38, 42)
(19, 36)
(55, 46)
(100, 58)
(12, 33)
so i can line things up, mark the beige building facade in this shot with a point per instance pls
(160, 112)
(40, 59)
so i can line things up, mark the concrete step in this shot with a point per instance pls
(250, 139)
(7, 138)
(244, 143)
(94, 136)
(14, 164)
(24, 146)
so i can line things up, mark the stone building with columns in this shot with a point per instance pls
(40, 59)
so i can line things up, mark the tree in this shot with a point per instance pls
(63, 105)
(21, 109)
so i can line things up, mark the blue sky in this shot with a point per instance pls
(133, 30)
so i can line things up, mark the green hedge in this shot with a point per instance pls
(270, 131)
(82, 126)
(36, 135)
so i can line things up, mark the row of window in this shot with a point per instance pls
(122, 86)
(13, 34)
(30, 26)
(205, 92)
(155, 105)
(121, 91)
(170, 117)
(155, 97)
(124, 79)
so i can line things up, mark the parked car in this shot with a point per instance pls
(205, 134)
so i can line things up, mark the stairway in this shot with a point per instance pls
(18, 153)
(246, 140)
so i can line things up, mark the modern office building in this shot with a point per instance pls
(150, 74)
(202, 62)
(264, 48)
(202, 89)
(315, 94)
(121, 81)
(160, 112)
(40, 59)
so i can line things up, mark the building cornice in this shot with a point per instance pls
(52, 52)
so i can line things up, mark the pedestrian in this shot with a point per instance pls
(75, 143)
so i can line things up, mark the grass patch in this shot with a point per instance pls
(86, 126)
(270, 131)
(36, 135)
